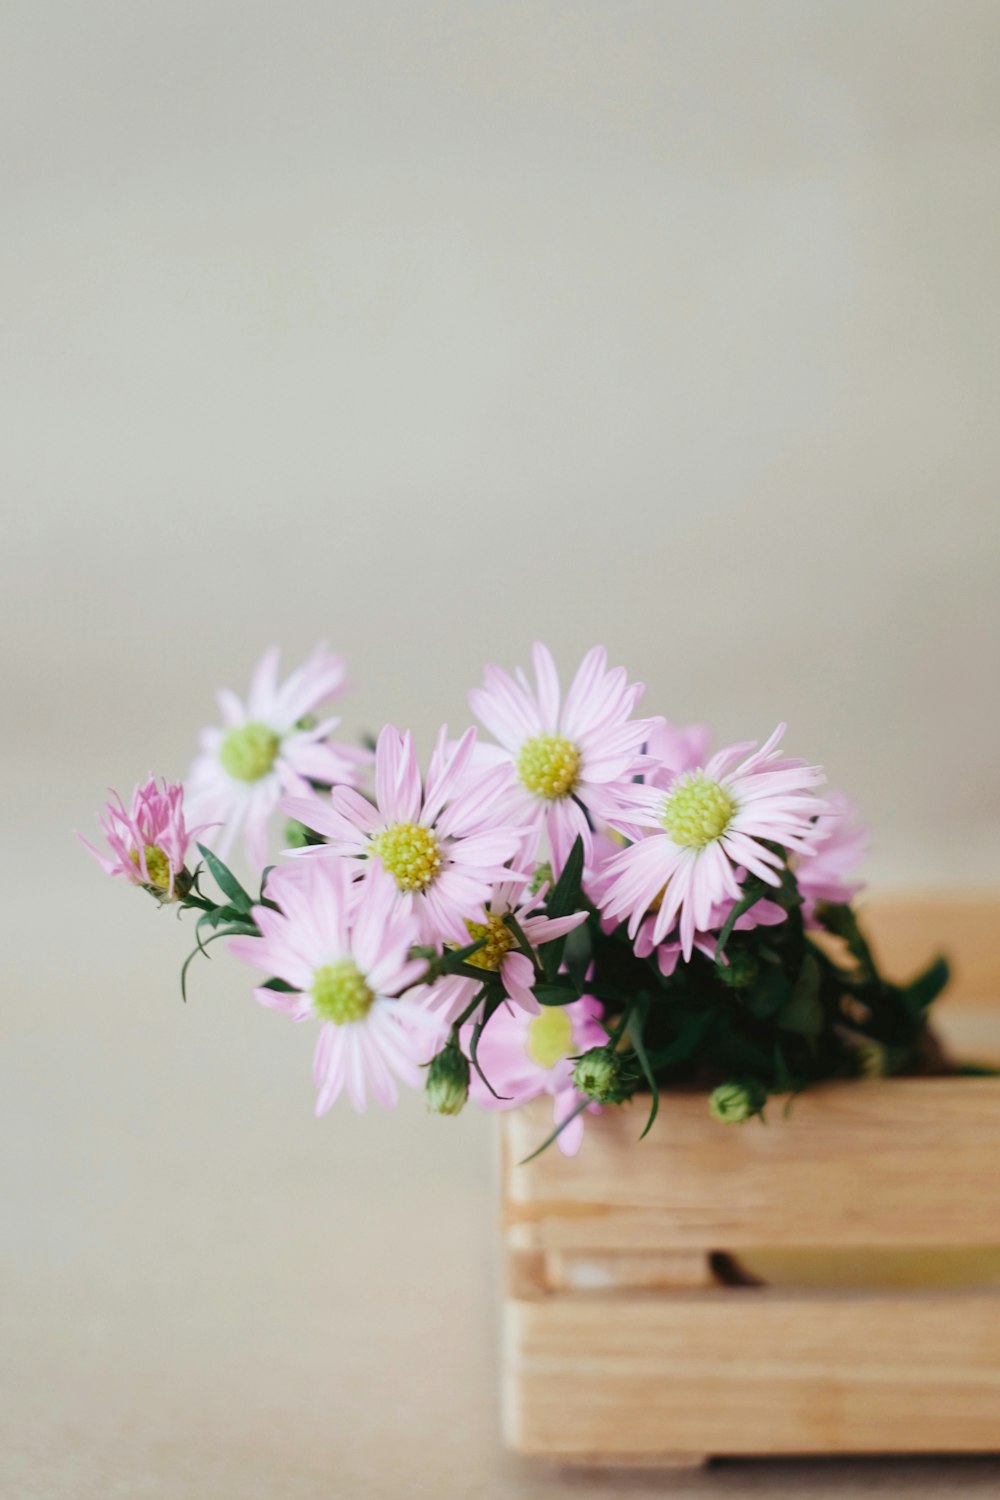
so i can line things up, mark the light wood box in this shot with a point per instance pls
(878, 1202)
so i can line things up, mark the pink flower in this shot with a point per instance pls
(452, 993)
(440, 840)
(841, 843)
(524, 1056)
(570, 757)
(149, 841)
(704, 827)
(763, 913)
(675, 748)
(269, 747)
(345, 950)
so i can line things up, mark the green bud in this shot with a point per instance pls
(542, 876)
(601, 1075)
(448, 1081)
(732, 1103)
(741, 969)
(297, 835)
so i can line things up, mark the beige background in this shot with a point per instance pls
(430, 328)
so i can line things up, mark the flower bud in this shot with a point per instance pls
(600, 1074)
(448, 1081)
(738, 969)
(542, 876)
(297, 835)
(732, 1103)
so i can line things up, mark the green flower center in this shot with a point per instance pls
(697, 811)
(157, 865)
(550, 1036)
(409, 852)
(340, 993)
(499, 940)
(248, 753)
(549, 765)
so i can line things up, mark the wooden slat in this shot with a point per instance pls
(751, 1372)
(880, 1163)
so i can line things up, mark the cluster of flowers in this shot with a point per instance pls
(586, 904)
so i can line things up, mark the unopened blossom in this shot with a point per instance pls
(270, 746)
(701, 829)
(525, 1055)
(344, 948)
(441, 839)
(570, 756)
(148, 841)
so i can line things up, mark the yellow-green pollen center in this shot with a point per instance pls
(549, 765)
(340, 993)
(410, 853)
(157, 866)
(248, 753)
(550, 1036)
(697, 811)
(499, 940)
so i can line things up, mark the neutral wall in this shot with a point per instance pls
(430, 328)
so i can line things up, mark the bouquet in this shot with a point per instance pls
(580, 902)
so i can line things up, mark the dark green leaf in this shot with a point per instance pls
(556, 994)
(636, 1029)
(226, 881)
(555, 1134)
(804, 1012)
(920, 992)
(564, 898)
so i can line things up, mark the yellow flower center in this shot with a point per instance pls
(550, 1036)
(409, 852)
(549, 765)
(499, 940)
(157, 865)
(248, 753)
(340, 993)
(697, 811)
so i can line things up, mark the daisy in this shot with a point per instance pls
(841, 843)
(570, 757)
(524, 1056)
(703, 827)
(269, 747)
(441, 839)
(763, 913)
(453, 993)
(345, 950)
(149, 840)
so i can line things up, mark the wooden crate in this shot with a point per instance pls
(623, 1342)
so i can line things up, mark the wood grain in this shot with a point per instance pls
(752, 1372)
(621, 1347)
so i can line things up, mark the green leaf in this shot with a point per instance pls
(841, 921)
(769, 992)
(563, 899)
(555, 1134)
(556, 994)
(281, 986)
(226, 881)
(490, 1007)
(923, 990)
(236, 931)
(754, 889)
(692, 1031)
(804, 1012)
(636, 1028)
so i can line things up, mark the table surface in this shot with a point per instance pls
(205, 1292)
